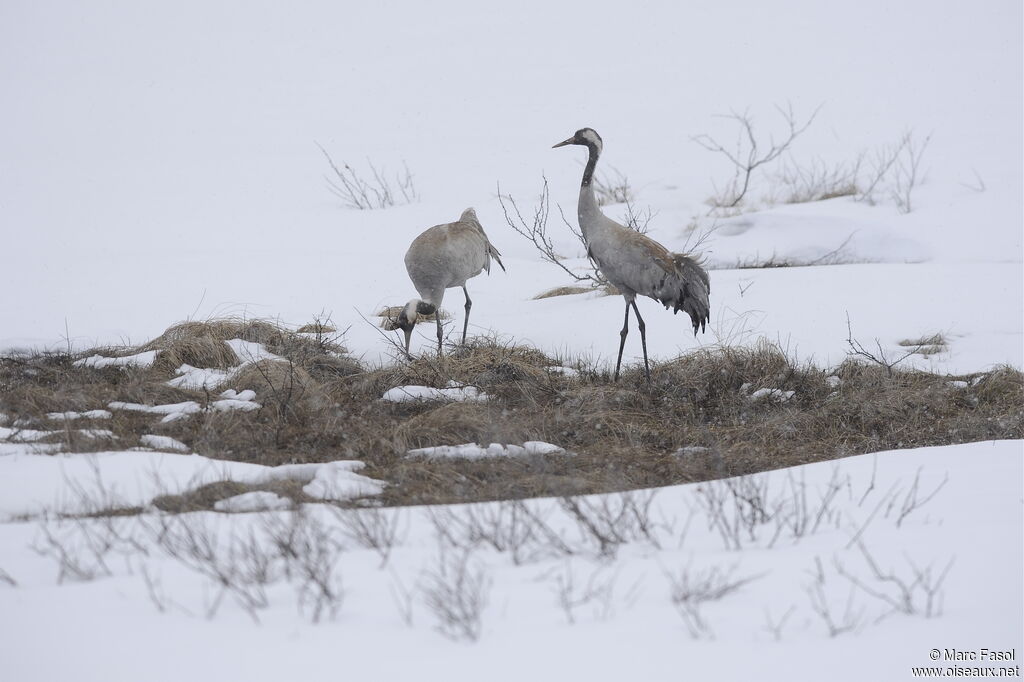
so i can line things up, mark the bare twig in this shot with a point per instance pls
(535, 230)
(355, 192)
(748, 155)
(456, 593)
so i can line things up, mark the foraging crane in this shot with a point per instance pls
(636, 264)
(443, 257)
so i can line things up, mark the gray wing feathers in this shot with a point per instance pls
(469, 216)
(686, 287)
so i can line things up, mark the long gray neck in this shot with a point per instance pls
(587, 211)
(588, 172)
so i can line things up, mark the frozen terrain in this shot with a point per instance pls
(160, 163)
(194, 187)
(587, 615)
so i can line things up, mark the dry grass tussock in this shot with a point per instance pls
(605, 290)
(703, 415)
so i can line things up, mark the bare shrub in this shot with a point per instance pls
(774, 627)
(404, 598)
(5, 577)
(609, 521)
(371, 528)
(749, 154)
(507, 526)
(837, 619)
(896, 170)
(598, 590)
(612, 189)
(455, 591)
(237, 565)
(535, 230)
(311, 555)
(916, 592)
(817, 180)
(639, 220)
(99, 528)
(356, 191)
(690, 589)
(880, 358)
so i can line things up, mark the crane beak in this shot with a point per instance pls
(408, 338)
(571, 140)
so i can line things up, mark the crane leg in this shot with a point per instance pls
(622, 341)
(469, 304)
(643, 340)
(439, 334)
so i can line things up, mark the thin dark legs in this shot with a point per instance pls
(622, 341)
(643, 340)
(469, 304)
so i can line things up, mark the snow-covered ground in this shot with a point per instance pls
(160, 163)
(616, 618)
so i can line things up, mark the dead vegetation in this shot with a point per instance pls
(697, 420)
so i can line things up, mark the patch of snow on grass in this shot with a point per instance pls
(477, 451)
(539, 447)
(172, 411)
(90, 414)
(232, 394)
(774, 394)
(23, 435)
(250, 352)
(163, 443)
(224, 405)
(339, 481)
(144, 359)
(197, 379)
(255, 501)
(400, 394)
(97, 433)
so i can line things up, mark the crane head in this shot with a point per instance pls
(410, 315)
(587, 137)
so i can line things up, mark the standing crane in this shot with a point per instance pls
(443, 257)
(636, 264)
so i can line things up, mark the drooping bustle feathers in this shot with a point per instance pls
(686, 287)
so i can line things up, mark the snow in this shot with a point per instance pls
(477, 451)
(629, 629)
(250, 352)
(88, 414)
(162, 443)
(197, 379)
(24, 435)
(773, 394)
(953, 264)
(171, 411)
(454, 393)
(539, 447)
(31, 483)
(244, 405)
(247, 395)
(144, 359)
(339, 481)
(255, 501)
(175, 411)
(198, 193)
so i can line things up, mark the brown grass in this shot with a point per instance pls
(606, 290)
(321, 405)
(562, 291)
